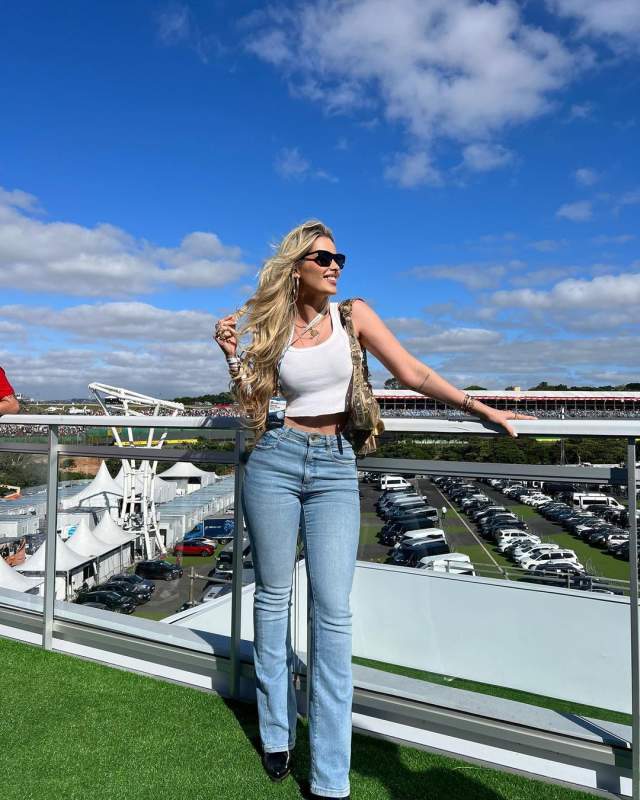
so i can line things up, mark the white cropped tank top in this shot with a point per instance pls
(315, 380)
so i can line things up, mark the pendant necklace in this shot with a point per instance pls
(313, 332)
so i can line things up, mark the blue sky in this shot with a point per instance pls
(478, 163)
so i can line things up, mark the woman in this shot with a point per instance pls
(303, 474)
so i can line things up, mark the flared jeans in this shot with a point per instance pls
(295, 480)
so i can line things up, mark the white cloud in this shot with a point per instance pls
(473, 276)
(412, 169)
(581, 111)
(440, 68)
(117, 321)
(104, 260)
(616, 19)
(9, 330)
(526, 361)
(292, 165)
(606, 301)
(482, 156)
(483, 356)
(580, 211)
(158, 369)
(455, 340)
(631, 198)
(176, 25)
(547, 245)
(586, 176)
(623, 238)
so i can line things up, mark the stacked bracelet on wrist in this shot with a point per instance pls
(233, 362)
(468, 404)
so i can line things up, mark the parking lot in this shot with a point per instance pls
(460, 533)
(170, 595)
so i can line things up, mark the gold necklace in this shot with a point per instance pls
(313, 332)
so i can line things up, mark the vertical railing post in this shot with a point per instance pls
(237, 566)
(633, 605)
(50, 552)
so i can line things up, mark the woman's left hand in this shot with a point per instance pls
(502, 418)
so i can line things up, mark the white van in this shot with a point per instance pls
(393, 482)
(583, 499)
(422, 535)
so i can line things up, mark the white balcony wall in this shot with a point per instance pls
(555, 642)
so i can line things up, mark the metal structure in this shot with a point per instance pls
(138, 511)
(188, 654)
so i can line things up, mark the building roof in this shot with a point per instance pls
(85, 543)
(10, 579)
(108, 531)
(102, 491)
(495, 394)
(66, 559)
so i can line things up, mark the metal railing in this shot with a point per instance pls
(627, 476)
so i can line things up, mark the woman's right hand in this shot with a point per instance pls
(224, 327)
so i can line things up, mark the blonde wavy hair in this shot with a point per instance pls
(270, 314)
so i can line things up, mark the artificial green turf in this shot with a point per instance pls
(73, 729)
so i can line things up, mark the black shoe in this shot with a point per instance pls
(277, 765)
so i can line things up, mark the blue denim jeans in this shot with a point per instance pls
(298, 480)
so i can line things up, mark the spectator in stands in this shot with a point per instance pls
(8, 402)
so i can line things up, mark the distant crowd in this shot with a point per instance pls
(572, 413)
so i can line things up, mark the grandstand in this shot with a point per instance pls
(553, 404)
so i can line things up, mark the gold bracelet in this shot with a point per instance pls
(424, 380)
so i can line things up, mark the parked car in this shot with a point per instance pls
(410, 554)
(513, 536)
(196, 547)
(548, 557)
(114, 601)
(213, 590)
(453, 563)
(135, 580)
(127, 590)
(159, 569)
(524, 550)
(421, 535)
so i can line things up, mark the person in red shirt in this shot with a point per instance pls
(8, 402)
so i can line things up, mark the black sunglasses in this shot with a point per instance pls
(323, 258)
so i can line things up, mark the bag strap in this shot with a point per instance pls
(358, 352)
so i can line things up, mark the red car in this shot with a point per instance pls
(194, 549)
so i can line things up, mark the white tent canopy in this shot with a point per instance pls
(108, 531)
(86, 544)
(66, 559)
(10, 579)
(102, 492)
(186, 470)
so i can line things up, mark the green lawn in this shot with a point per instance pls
(78, 729)
(369, 527)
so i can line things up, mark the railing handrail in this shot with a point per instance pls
(453, 426)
